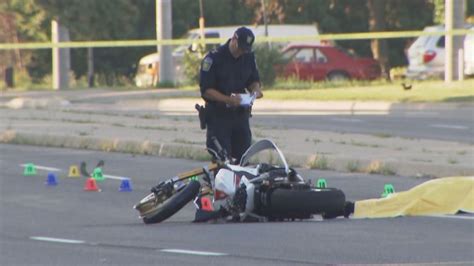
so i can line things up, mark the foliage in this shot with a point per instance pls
(353, 166)
(30, 20)
(319, 162)
(191, 64)
(216, 13)
(378, 167)
(438, 11)
(267, 58)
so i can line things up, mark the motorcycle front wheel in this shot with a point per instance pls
(153, 210)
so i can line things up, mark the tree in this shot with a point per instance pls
(98, 20)
(377, 23)
(438, 11)
(135, 19)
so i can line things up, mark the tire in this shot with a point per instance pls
(338, 76)
(174, 203)
(302, 203)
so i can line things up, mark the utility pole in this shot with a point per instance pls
(265, 22)
(90, 67)
(163, 32)
(454, 19)
(201, 28)
(201, 20)
(61, 56)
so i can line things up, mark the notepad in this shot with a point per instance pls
(247, 99)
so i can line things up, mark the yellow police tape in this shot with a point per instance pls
(436, 197)
(136, 43)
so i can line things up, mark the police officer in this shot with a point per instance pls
(225, 73)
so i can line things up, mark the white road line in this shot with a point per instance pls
(114, 177)
(57, 240)
(449, 126)
(39, 167)
(193, 252)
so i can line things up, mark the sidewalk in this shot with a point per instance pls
(136, 122)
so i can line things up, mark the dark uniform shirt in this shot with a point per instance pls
(221, 71)
(226, 74)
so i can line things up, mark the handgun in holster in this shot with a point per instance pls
(202, 115)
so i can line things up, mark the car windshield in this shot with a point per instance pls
(288, 55)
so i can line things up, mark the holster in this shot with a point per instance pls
(202, 115)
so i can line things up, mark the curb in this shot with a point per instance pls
(351, 107)
(173, 150)
(264, 105)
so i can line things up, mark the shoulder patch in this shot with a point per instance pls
(206, 64)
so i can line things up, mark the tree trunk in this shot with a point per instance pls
(377, 23)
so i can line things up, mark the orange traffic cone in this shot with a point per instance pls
(91, 185)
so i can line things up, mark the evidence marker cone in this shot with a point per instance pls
(74, 171)
(91, 185)
(30, 169)
(97, 174)
(387, 190)
(321, 183)
(51, 180)
(125, 185)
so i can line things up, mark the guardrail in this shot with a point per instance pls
(138, 43)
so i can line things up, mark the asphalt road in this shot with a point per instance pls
(65, 225)
(451, 126)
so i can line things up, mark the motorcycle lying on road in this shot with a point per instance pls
(248, 191)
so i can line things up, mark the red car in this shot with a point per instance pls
(318, 62)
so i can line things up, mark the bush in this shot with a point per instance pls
(267, 58)
(191, 65)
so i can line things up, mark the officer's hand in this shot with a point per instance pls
(234, 100)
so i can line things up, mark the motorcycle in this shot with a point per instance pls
(248, 191)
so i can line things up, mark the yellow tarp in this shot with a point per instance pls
(439, 196)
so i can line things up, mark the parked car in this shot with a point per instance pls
(426, 54)
(320, 62)
(148, 69)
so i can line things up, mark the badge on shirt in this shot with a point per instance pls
(249, 39)
(206, 64)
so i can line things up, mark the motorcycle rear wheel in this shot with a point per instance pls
(289, 203)
(173, 204)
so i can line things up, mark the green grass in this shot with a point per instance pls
(353, 166)
(426, 91)
(319, 162)
(291, 89)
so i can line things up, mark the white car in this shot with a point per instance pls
(426, 55)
